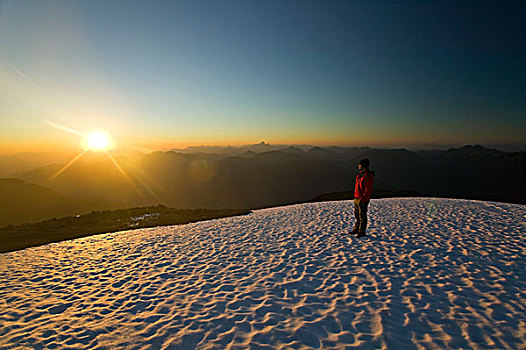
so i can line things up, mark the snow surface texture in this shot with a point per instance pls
(433, 273)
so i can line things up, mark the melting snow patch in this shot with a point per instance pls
(136, 220)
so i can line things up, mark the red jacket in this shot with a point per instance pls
(364, 185)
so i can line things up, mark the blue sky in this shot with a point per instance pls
(162, 73)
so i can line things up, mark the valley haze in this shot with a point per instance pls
(250, 176)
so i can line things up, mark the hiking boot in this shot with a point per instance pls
(361, 234)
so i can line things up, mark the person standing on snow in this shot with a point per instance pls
(362, 195)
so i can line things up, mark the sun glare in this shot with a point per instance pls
(98, 141)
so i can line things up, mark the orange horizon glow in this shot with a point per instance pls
(146, 146)
(71, 140)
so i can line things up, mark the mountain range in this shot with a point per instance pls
(263, 175)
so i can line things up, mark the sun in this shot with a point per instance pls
(98, 141)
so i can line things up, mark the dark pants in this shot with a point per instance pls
(360, 213)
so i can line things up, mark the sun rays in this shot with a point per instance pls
(70, 163)
(100, 141)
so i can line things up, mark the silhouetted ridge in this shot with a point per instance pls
(248, 153)
(292, 150)
(249, 179)
(470, 150)
(325, 154)
(26, 202)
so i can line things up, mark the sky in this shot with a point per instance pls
(161, 74)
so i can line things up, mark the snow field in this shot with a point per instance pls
(432, 273)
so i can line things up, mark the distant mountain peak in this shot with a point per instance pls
(259, 147)
(292, 149)
(472, 150)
